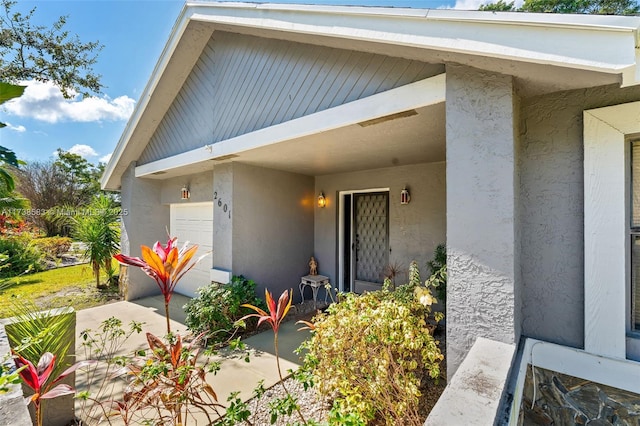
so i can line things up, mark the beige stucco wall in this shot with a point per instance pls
(200, 187)
(145, 223)
(552, 210)
(415, 229)
(272, 226)
(482, 180)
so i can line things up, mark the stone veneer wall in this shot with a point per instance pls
(560, 399)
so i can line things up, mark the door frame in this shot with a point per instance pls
(341, 227)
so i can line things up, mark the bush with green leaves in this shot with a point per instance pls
(217, 307)
(373, 354)
(53, 247)
(438, 268)
(22, 256)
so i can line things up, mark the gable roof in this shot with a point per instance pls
(583, 50)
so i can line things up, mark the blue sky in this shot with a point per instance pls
(133, 34)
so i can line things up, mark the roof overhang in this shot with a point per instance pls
(328, 141)
(600, 49)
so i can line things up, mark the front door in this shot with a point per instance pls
(369, 245)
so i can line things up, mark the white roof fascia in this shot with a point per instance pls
(587, 42)
(599, 43)
(141, 105)
(429, 91)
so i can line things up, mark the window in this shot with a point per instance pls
(634, 231)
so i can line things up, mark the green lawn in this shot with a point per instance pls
(70, 286)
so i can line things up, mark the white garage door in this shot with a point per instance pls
(194, 223)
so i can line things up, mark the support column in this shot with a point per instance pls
(223, 222)
(146, 221)
(481, 211)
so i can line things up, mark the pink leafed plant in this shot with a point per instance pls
(37, 378)
(276, 314)
(165, 264)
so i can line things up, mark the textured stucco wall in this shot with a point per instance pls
(481, 210)
(200, 187)
(272, 227)
(552, 210)
(145, 223)
(223, 224)
(415, 229)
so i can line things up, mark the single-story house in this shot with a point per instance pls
(512, 137)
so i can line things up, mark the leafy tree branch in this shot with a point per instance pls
(37, 52)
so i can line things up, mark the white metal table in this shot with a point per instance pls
(315, 282)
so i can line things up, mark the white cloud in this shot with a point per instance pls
(106, 158)
(44, 101)
(83, 151)
(469, 4)
(18, 128)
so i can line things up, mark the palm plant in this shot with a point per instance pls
(98, 229)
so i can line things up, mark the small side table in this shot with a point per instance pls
(315, 282)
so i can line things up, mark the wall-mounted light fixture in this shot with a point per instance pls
(404, 196)
(322, 202)
(184, 193)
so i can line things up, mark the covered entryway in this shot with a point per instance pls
(194, 223)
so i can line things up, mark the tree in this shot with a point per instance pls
(97, 226)
(37, 52)
(68, 182)
(84, 177)
(499, 6)
(594, 7)
(8, 157)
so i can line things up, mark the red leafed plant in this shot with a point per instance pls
(37, 378)
(165, 264)
(168, 381)
(276, 314)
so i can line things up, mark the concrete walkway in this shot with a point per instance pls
(235, 374)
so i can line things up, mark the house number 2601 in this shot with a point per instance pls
(224, 207)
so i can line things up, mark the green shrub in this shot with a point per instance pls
(373, 354)
(23, 257)
(53, 247)
(438, 278)
(217, 307)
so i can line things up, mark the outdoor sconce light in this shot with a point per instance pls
(321, 200)
(184, 193)
(404, 196)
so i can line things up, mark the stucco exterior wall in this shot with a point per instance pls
(552, 210)
(145, 223)
(200, 187)
(481, 186)
(272, 227)
(415, 229)
(223, 224)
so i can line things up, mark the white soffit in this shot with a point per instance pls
(422, 93)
